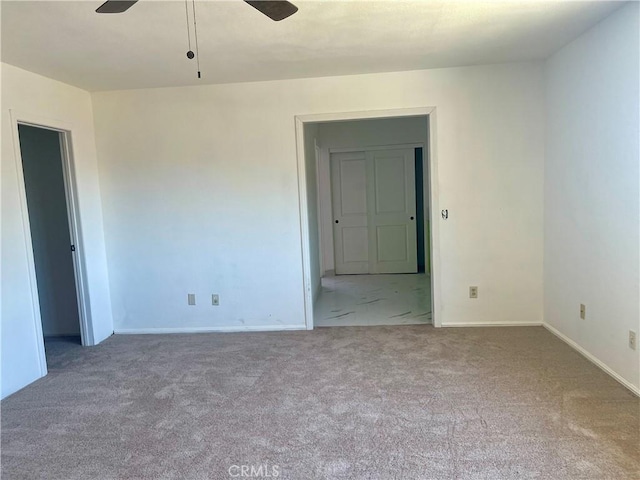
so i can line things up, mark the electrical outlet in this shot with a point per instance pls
(583, 311)
(632, 340)
(215, 299)
(473, 292)
(191, 298)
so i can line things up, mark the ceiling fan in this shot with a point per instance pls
(274, 9)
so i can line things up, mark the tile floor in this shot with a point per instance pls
(358, 300)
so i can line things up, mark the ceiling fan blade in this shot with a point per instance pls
(274, 9)
(115, 6)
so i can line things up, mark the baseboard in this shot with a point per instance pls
(599, 363)
(228, 329)
(58, 335)
(493, 324)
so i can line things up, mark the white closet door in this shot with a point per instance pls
(350, 225)
(391, 203)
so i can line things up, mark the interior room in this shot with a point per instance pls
(171, 177)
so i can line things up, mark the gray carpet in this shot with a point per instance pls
(384, 403)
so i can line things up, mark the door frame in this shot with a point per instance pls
(376, 148)
(431, 172)
(73, 216)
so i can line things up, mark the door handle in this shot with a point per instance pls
(411, 218)
(337, 221)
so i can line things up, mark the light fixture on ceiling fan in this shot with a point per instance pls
(276, 10)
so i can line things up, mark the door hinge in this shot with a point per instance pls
(73, 248)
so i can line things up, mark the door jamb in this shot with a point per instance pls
(318, 153)
(73, 212)
(434, 206)
(376, 148)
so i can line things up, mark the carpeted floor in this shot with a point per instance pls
(402, 402)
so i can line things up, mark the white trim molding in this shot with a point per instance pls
(226, 329)
(375, 148)
(26, 229)
(430, 156)
(597, 362)
(493, 324)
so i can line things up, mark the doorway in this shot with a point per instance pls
(45, 161)
(405, 160)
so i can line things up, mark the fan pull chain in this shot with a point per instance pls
(190, 54)
(186, 11)
(195, 36)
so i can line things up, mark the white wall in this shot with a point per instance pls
(49, 224)
(591, 220)
(357, 134)
(39, 97)
(200, 194)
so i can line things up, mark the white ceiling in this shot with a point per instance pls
(146, 46)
